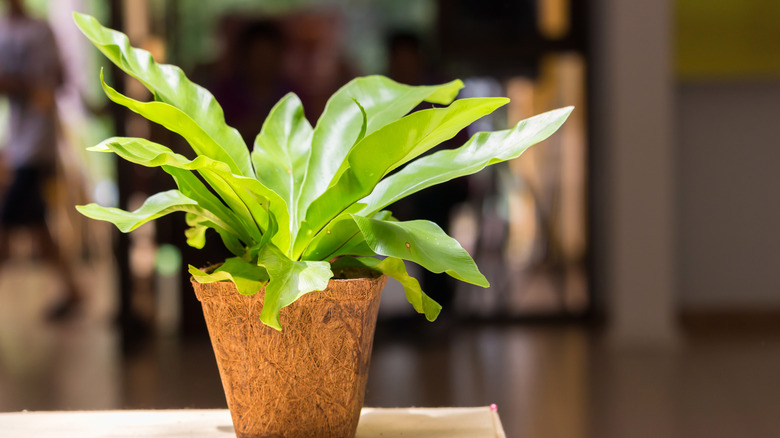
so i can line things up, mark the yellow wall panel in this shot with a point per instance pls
(727, 39)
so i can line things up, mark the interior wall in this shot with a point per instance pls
(686, 187)
(728, 137)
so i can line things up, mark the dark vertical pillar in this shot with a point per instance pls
(192, 324)
(130, 325)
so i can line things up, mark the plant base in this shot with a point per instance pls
(307, 380)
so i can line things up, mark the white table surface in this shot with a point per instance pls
(480, 422)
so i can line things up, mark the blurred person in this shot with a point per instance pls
(254, 82)
(406, 60)
(314, 59)
(30, 74)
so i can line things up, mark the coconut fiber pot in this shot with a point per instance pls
(307, 380)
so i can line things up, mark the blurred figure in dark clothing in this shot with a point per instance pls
(406, 59)
(30, 73)
(314, 61)
(254, 84)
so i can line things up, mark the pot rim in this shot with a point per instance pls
(210, 291)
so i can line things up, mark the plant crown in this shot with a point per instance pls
(308, 200)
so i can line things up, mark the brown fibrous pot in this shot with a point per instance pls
(307, 380)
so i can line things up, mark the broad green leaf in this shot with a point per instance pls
(196, 234)
(340, 125)
(364, 125)
(398, 142)
(243, 202)
(395, 268)
(422, 242)
(248, 278)
(246, 206)
(342, 237)
(385, 215)
(280, 153)
(271, 229)
(247, 197)
(217, 174)
(155, 206)
(227, 221)
(483, 149)
(231, 242)
(177, 121)
(289, 280)
(169, 84)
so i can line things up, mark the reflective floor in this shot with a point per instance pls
(547, 380)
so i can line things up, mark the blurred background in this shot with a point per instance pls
(634, 256)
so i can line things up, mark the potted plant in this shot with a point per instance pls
(291, 315)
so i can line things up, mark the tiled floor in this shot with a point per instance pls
(548, 381)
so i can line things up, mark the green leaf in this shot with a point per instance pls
(422, 242)
(364, 125)
(247, 277)
(169, 84)
(196, 234)
(395, 268)
(290, 280)
(483, 149)
(231, 242)
(239, 219)
(247, 197)
(398, 142)
(342, 237)
(155, 206)
(271, 229)
(227, 223)
(280, 153)
(237, 197)
(341, 123)
(229, 227)
(179, 122)
(385, 215)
